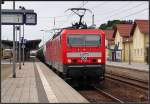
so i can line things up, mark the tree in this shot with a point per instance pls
(111, 23)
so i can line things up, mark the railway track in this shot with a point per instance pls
(109, 95)
(96, 95)
(118, 89)
(130, 81)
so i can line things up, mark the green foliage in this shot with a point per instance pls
(40, 55)
(111, 23)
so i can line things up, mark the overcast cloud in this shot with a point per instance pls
(46, 11)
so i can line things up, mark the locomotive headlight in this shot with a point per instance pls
(99, 60)
(69, 60)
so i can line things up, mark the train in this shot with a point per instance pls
(77, 53)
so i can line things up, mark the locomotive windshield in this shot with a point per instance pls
(83, 40)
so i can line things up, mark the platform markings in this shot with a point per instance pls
(49, 92)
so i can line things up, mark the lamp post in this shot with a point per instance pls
(23, 8)
(43, 36)
(14, 55)
(17, 29)
(50, 31)
(19, 47)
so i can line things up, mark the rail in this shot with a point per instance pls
(109, 95)
(133, 82)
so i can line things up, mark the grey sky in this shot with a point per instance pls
(46, 10)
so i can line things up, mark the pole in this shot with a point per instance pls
(93, 19)
(16, 45)
(54, 22)
(23, 44)
(43, 38)
(19, 47)
(14, 62)
(1, 49)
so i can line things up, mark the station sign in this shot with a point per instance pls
(12, 18)
(18, 17)
(22, 40)
(30, 18)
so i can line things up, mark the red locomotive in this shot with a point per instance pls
(77, 52)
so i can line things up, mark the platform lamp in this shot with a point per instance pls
(23, 8)
(43, 36)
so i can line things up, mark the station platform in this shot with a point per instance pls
(36, 83)
(135, 66)
(136, 71)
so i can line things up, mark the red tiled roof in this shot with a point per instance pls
(124, 29)
(143, 25)
(109, 34)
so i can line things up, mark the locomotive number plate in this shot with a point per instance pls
(84, 55)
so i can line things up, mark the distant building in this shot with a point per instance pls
(122, 41)
(129, 42)
(30, 45)
(5, 45)
(140, 35)
(109, 43)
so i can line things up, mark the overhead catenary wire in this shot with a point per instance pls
(63, 22)
(131, 14)
(102, 4)
(67, 20)
(127, 9)
(122, 11)
(130, 9)
(105, 13)
(83, 4)
(55, 16)
(135, 13)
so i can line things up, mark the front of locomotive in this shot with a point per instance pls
(84, 53)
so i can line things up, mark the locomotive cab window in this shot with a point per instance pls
(83, 40)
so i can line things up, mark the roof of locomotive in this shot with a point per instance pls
(89, 31)
(77, 31)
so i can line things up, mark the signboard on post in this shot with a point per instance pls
(118, 55)
(12, 18)
(18, 17)
(30, 18)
